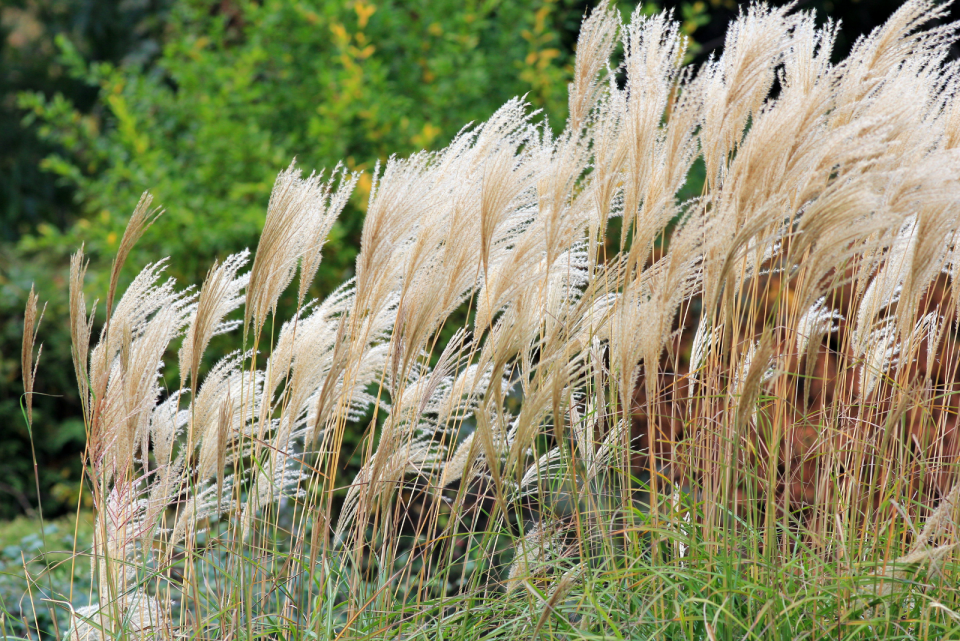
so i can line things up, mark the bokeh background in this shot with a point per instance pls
(203, 102)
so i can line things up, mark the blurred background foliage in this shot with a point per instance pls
(203, 102)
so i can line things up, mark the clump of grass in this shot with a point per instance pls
(729, 425)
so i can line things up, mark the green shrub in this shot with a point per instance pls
(237, 94)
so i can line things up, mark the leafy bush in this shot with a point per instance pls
(237, 94)
(29, 29)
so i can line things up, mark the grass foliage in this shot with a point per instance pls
(590, 409)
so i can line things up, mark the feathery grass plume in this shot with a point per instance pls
(219, 295)
(596, 43)
(658, 157)
(738, 83)
(505, 178)
(81, 328)
(609, 157)
(128, 358)
(814, 323)
(98, 372)
(458, 465)
(226, 391)
(298, 214)
(326, 209)
(28, 367)
(531, 551)
(138, 224)
(753, 376)
(431, 405)
(373, 484)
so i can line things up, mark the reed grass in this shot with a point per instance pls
(739, 420)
